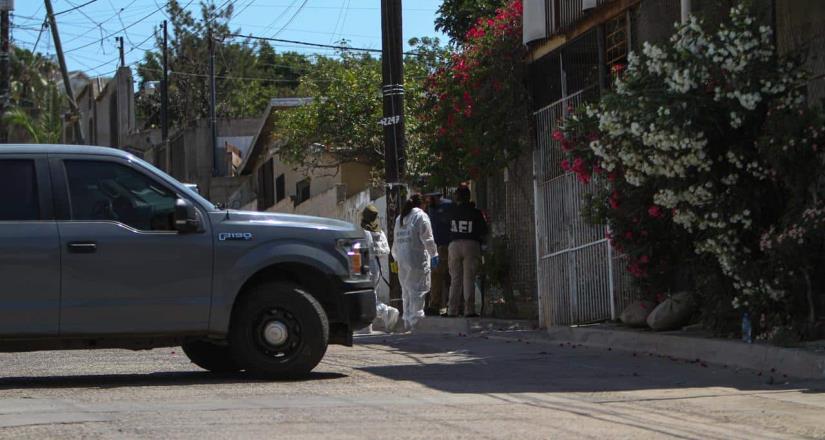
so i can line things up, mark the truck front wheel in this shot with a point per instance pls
(210, 357)
(278, 331)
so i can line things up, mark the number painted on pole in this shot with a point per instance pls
(389, 120)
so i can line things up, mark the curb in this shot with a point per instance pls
(793, 362)
(439, 325)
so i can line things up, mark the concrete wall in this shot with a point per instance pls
(189, 155)
(107, 110)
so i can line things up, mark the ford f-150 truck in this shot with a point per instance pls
(99, 249)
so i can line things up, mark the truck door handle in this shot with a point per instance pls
(82, 247)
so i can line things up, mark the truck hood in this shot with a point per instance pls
(253, 218)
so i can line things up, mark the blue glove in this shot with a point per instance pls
(434, 262)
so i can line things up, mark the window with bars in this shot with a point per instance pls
(616, 45)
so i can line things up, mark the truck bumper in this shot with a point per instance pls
(360, 308)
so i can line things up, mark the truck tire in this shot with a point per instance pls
(278, 331)
(211, 357)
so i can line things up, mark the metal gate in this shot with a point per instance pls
(579, 278)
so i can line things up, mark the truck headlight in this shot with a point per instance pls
(357, 255)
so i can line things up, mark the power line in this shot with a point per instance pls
(124, 29)
(40, 34)
(75, 8)
(309, 44)
(282, 14)
(245, 8)
(291, 19)
(120, 20)
(137, 46)
(338, 20)
(100, 25)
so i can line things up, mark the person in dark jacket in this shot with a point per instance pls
(467, 231)
(438, 211)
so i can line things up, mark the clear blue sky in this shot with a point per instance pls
(319, 21)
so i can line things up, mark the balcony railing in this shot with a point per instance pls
(564, 14)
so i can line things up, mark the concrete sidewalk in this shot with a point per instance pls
(460, 325)
(793, 362)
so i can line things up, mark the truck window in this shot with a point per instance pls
(109, 191)
(18, 191)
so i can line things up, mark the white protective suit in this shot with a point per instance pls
(379, 247)
(413, 248)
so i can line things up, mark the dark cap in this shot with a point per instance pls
(462, 193)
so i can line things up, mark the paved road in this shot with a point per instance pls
(399, 387)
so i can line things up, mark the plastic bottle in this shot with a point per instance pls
(746, 329)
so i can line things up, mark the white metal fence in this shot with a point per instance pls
(579, 278)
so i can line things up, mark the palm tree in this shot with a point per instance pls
(41, 130)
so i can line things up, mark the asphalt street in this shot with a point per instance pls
(481, 386)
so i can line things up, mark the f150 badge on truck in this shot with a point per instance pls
(224, 236)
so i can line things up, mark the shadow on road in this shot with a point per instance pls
(104, 381)
(477, 365)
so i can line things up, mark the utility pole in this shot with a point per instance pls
(74, 113)
(6, 6)
(164, 89)
(120, 50)
(393, 91)
(213, 119)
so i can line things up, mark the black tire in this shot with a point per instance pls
(211, 357)
(300, 323)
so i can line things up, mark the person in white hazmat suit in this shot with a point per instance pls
(415, 251)
(378, 247)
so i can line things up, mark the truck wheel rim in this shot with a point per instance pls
(278, 334)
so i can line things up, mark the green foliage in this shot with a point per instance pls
(37, 105)
(707, 165)
(478, 103)
(456, 17)
(342, 121)
(248, 73)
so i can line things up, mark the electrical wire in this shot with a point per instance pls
(271, 25)
(40, 34)
(291, 19)
(122, 30)
(229, 77)
(338, 20)
(309, 44)
(74, 8)
(98, 25)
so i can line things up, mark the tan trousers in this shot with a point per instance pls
(465, 257)
(440, 278)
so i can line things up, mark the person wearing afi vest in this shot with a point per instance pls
(467, 231)
(438, 210)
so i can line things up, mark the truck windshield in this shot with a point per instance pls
(178, 186)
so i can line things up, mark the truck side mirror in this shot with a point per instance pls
(186, 217)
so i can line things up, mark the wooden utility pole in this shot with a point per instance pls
(164, 88)
(6, 6)
(213, 119)
(74, 114)
(393, 122)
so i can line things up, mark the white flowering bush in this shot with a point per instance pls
(711, 137)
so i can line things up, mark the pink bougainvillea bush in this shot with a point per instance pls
(707, 160)
(478, 101)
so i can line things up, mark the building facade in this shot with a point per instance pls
(574, 46)
(268, 183)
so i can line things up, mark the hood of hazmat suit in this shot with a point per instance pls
(413, 247)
